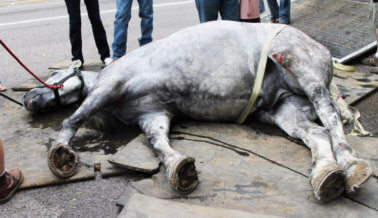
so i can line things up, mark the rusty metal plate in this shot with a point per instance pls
(139, 205)
(30, 84)
(136, 156)
(27, 138)
(257, 170)
(26, 143)
(355, 85)
(89, 65)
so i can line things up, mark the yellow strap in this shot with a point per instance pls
(259, 75)
(343, 67)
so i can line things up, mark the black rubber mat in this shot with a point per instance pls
(342, 26)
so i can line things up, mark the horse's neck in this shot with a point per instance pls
(89, 80)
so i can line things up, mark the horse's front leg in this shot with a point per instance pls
(180, 169)
(62, 160)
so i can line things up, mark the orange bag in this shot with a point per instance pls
(249, 9)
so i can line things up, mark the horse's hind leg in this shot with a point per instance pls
(293, 115)
(309, 65)
(180, 169)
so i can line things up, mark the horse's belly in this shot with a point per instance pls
(212, 110)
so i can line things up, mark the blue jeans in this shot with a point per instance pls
(282, 12)
(208, 10)
(262, 6)
(121, 24)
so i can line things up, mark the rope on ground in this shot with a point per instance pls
(348, 113)
(11, 99)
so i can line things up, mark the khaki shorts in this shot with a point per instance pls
(373, 15)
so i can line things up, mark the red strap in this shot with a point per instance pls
(53, 87)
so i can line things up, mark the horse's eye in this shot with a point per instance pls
(53, 73)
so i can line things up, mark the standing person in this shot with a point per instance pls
(9, 181)
(121, 24)
(373, 59)
(250, 11)
(73, 8)
(208, 10)
(280, 13)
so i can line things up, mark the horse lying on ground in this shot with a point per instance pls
(207, 72)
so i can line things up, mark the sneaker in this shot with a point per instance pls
(273, 21)
(108, 61)
(371, 61)
(76, 64)
(9, 183)
(3, 88)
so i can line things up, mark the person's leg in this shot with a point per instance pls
(376, 38)
(121, 24)
(98, 28)
(207, 10)
(146, 13)
(230, 10)
(73, 9)
(372, 60)
(284, 12)
(262, 6)
(2, 159)
(273, 8)
(9, 181)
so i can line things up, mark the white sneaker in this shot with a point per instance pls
(76, 64)
(108, 61)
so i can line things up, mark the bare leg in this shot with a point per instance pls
(294, 116)
(2, 158)
(180, 169)
(311, 65)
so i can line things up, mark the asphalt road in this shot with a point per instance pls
(37, 32)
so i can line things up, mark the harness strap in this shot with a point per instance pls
(57, 97)
(259, 75)
(76, 72)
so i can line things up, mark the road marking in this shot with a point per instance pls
(85, 14)
(19, 2)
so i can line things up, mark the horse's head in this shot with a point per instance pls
(43, 98)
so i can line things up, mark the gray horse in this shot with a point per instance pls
(207, 72)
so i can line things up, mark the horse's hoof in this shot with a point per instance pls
(182, 175)
(328, 184)
(356, 175)
(62, 161)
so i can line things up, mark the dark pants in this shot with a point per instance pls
(73, 8)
